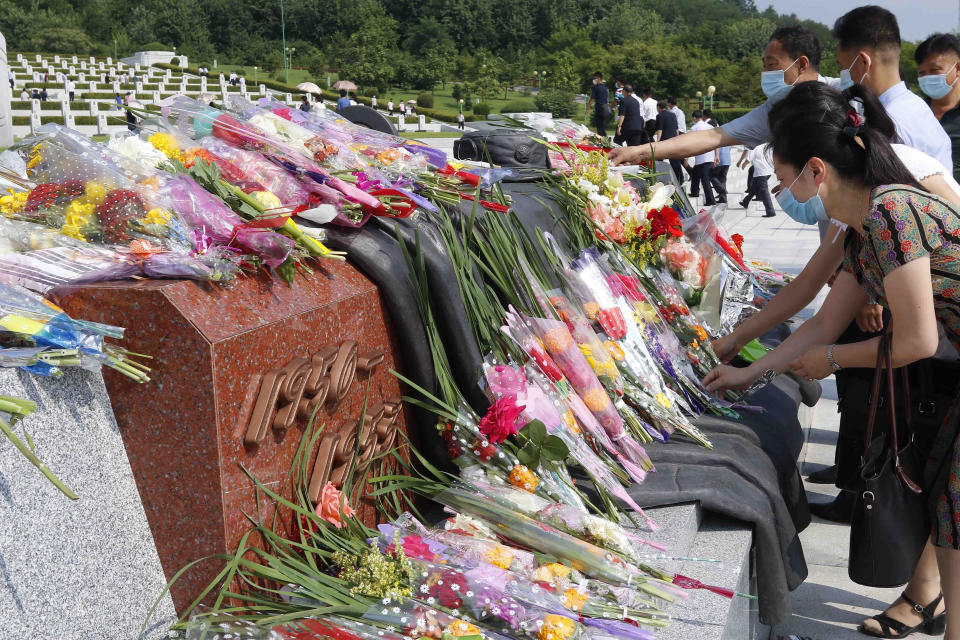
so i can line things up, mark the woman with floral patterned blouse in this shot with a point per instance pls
(904, 250)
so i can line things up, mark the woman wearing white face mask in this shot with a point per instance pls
(901, 248)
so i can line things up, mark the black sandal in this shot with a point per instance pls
(890, 628)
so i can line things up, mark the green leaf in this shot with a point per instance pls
(554, 449)
(534, 432)
(529, 456)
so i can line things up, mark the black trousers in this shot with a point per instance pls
(677, 166)
(600, 116)
(760, 189)
(700, 175)
(634, 138)
(718, 180)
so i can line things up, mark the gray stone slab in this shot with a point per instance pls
(74, 569)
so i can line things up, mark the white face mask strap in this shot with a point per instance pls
(788, 68)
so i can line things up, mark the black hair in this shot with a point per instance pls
(647, 90)
(662, 104)
(708, 113)
(869, 26)
(343, 93)
(799, 41)
(597, 75)
(812, 120)
(937, 43)
(628, 88)
(696, 113)
(671, 100)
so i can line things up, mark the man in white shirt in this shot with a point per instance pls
(681, 117)
(649, 112)
(373, 101)
(761, 170)
(868, 52)
(702, 163)
(390, 106)
(70, 89)
(25, 95)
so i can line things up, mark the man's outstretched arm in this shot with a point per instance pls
(689, 144)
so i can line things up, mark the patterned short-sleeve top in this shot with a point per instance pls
(906, 224)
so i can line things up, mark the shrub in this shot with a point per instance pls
(518, 106)
(425, 100)
(372, 91)
(556, 101)
(175, 61)
(481, 109)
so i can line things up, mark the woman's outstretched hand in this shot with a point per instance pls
(726, 377)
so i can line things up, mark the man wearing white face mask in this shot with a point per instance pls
(868, 52)
(938, 68)
(791, 56)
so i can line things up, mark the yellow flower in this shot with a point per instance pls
(591, 309)
(553, 572)
(556, 627)
(571, 422)
(701, 332)
(266, 200)
(165, 143)
(461, 628)
(499, 556)
(13, 202)
(644, 311)
(158, 216)
(35, 156)
(523, 478)
(596, 399)
(388, 156)
(94, 193)
(574, 600)
(663, 400)
(79, 215)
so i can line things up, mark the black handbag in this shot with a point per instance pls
(890, 524)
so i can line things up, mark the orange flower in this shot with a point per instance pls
(189, 157)
(701, 332)
(523, 478)
(556, 627)
(596, 399)
(571, 422)
(574, 600)
(329, 506)
(461, 628)
(552, 573)
(591, 309)
(558, 340)
(615, 351)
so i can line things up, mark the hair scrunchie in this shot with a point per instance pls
(854, 119)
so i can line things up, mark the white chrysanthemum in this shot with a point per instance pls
(137, 149)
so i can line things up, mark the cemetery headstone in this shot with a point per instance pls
(19, 57)
(156, 97)
(73, 59)
(93, 86)
(83, 65)
(263, 89)
(102, 124)
(81, 77)
(73, 71)
(39, 58)
(6, 119)
(94, 108)
(109, 61)
(56, 59)
(288, 98)
(421, 122)
(34, 115)
(203, 84)
(400, 122)
(102, 558)
(92, 60)
(223, 95)
(116, 86)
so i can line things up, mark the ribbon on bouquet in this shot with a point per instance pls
(685, 582)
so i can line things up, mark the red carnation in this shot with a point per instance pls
(501, 420)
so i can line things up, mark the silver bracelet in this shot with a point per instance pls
(762, 381)
(833, 363)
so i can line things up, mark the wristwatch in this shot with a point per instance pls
(833, 363)
(762, 381)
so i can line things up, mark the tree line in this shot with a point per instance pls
(677, 47)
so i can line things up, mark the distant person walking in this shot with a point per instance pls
(24, 95)
(373, 101)
(600, 101)
(43, 94)
(10, 78)
(665, 127)
(402, 108)
(718, 175)
(702, 164)
(71, 87)
(304, 104)
(460, 121)
(759, 184)
(630, 121)
(343, 101)
(681, 116)
(118, 100)
(390, 106)
(650, 110)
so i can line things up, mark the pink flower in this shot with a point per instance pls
(506, 381)
(501, 420)
(329, 506)
(414, 547)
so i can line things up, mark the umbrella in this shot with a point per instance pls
(344, 84)
(411, 101)
(309, 87)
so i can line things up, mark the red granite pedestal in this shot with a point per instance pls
(237, 371)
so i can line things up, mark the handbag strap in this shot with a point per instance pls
(887, 344)
(875, 395)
